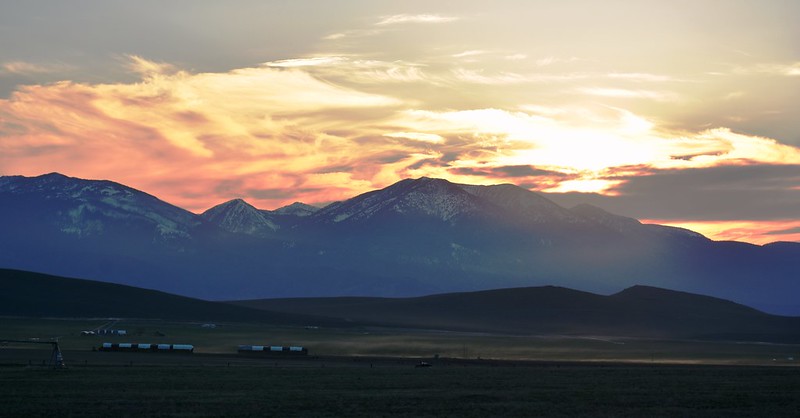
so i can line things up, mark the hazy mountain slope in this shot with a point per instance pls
(415, 237)
(526, 205)
(90, 208)
(99, 230)
(289, 216)
(639, 311)
(298, 209)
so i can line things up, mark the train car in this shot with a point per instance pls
(110, 332)
(147, 348)
(272, 350)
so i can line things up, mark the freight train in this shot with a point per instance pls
(148, 348)
(272, 350)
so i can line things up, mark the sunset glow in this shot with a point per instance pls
(386, 94)
(756, 232)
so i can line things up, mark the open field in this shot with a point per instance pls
(359, 341)
(370, 372)
(479, 391)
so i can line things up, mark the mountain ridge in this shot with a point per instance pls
(415, 237)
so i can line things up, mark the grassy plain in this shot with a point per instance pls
(370, 372)
(360, 341)
(465, 391)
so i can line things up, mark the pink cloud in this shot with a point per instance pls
(276, 134)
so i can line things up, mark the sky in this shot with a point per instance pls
(683, 113)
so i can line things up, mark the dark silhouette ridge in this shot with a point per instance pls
(30, 294)
(639, 311)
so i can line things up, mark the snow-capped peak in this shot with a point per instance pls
(240, 217)
(435, 198)
(88, 207)
(299, 209)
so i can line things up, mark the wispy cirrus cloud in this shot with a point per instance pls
(516, 57)
(481, 77)
(551, 60)
(417, 136)
(630, 93)
(358, 70)
(415, 18)
(469, 53)
(305, 62)
(641, 77)
(776, 69)
(26, 68)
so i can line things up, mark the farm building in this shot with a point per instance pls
(148, 348)
(272, 350)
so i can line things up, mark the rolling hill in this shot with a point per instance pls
(40, 295)
(639, 311)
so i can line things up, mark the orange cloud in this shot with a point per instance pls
(752, 231)
(180, 135)
(23, 68)
(308, 129)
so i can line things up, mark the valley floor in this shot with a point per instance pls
(224, 339)
(398, 389)
(371, 372)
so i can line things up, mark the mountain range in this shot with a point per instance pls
(415, 237)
